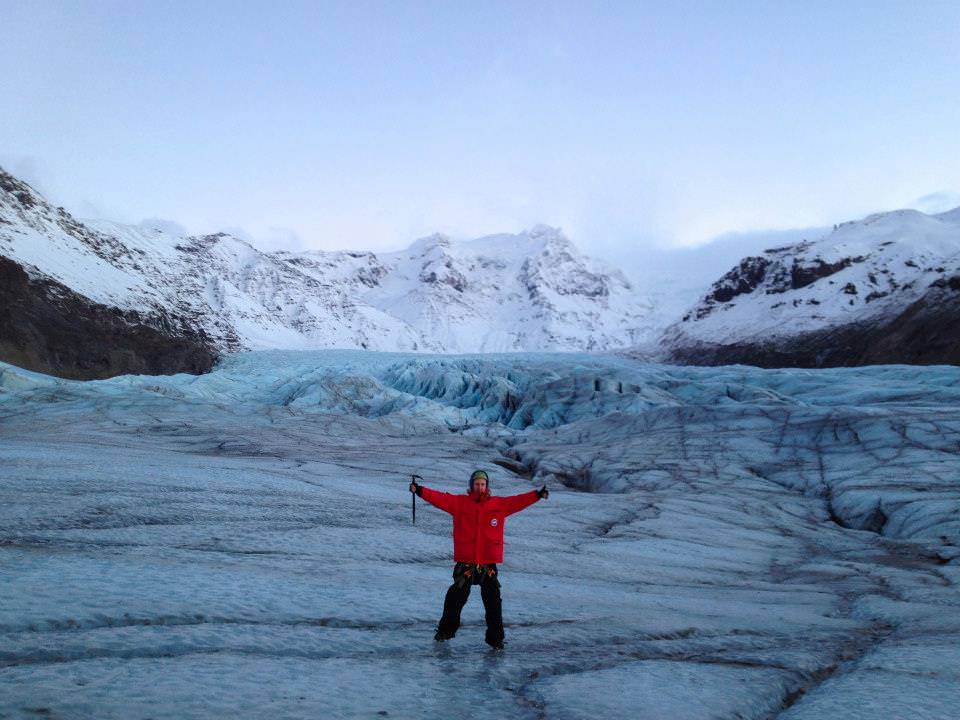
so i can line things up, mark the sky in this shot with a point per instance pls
(364, 125)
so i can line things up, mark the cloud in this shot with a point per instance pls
(168, 226)
(281, 238)
(937, 202)
(271, 239)
(30, 169)
(42, 177)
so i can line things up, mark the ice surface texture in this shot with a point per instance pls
(723, 542)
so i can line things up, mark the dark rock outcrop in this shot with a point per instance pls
(745, 278)
(47, 327)
(802, 275)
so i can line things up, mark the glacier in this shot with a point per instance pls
(719, 542)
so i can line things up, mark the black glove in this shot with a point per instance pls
(543, 493)
(415, 488)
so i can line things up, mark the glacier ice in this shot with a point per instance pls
(718, 542)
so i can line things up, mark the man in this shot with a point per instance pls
(478, 520)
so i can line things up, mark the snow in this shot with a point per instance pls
(240, 544)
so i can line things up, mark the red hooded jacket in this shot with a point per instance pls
(478, 522)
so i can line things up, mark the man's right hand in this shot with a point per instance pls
(414, 488)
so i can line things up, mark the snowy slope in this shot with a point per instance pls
(863, 273)
(718, 543)
(510, 292)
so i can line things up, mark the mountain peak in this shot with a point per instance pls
(423, 245)
(541, 230)
(546, 233)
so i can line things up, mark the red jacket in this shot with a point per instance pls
(478, 522)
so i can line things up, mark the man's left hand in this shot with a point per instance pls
(543, 493)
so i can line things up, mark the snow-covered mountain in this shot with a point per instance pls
(885, 289)
(530, 291)
(835, 301)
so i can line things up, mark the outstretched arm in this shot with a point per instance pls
(445, 501)
(516, 503)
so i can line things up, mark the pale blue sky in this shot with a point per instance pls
(365, 124)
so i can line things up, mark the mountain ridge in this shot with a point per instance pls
(436, 296)
(834, 301)
(839, 299)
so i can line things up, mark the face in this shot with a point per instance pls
(480, 485)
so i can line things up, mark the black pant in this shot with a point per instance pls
(464, 576)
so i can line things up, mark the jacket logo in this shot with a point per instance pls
(493, 521)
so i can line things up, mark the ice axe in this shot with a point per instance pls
(413, 497)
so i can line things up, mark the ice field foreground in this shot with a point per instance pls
(719, 543)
